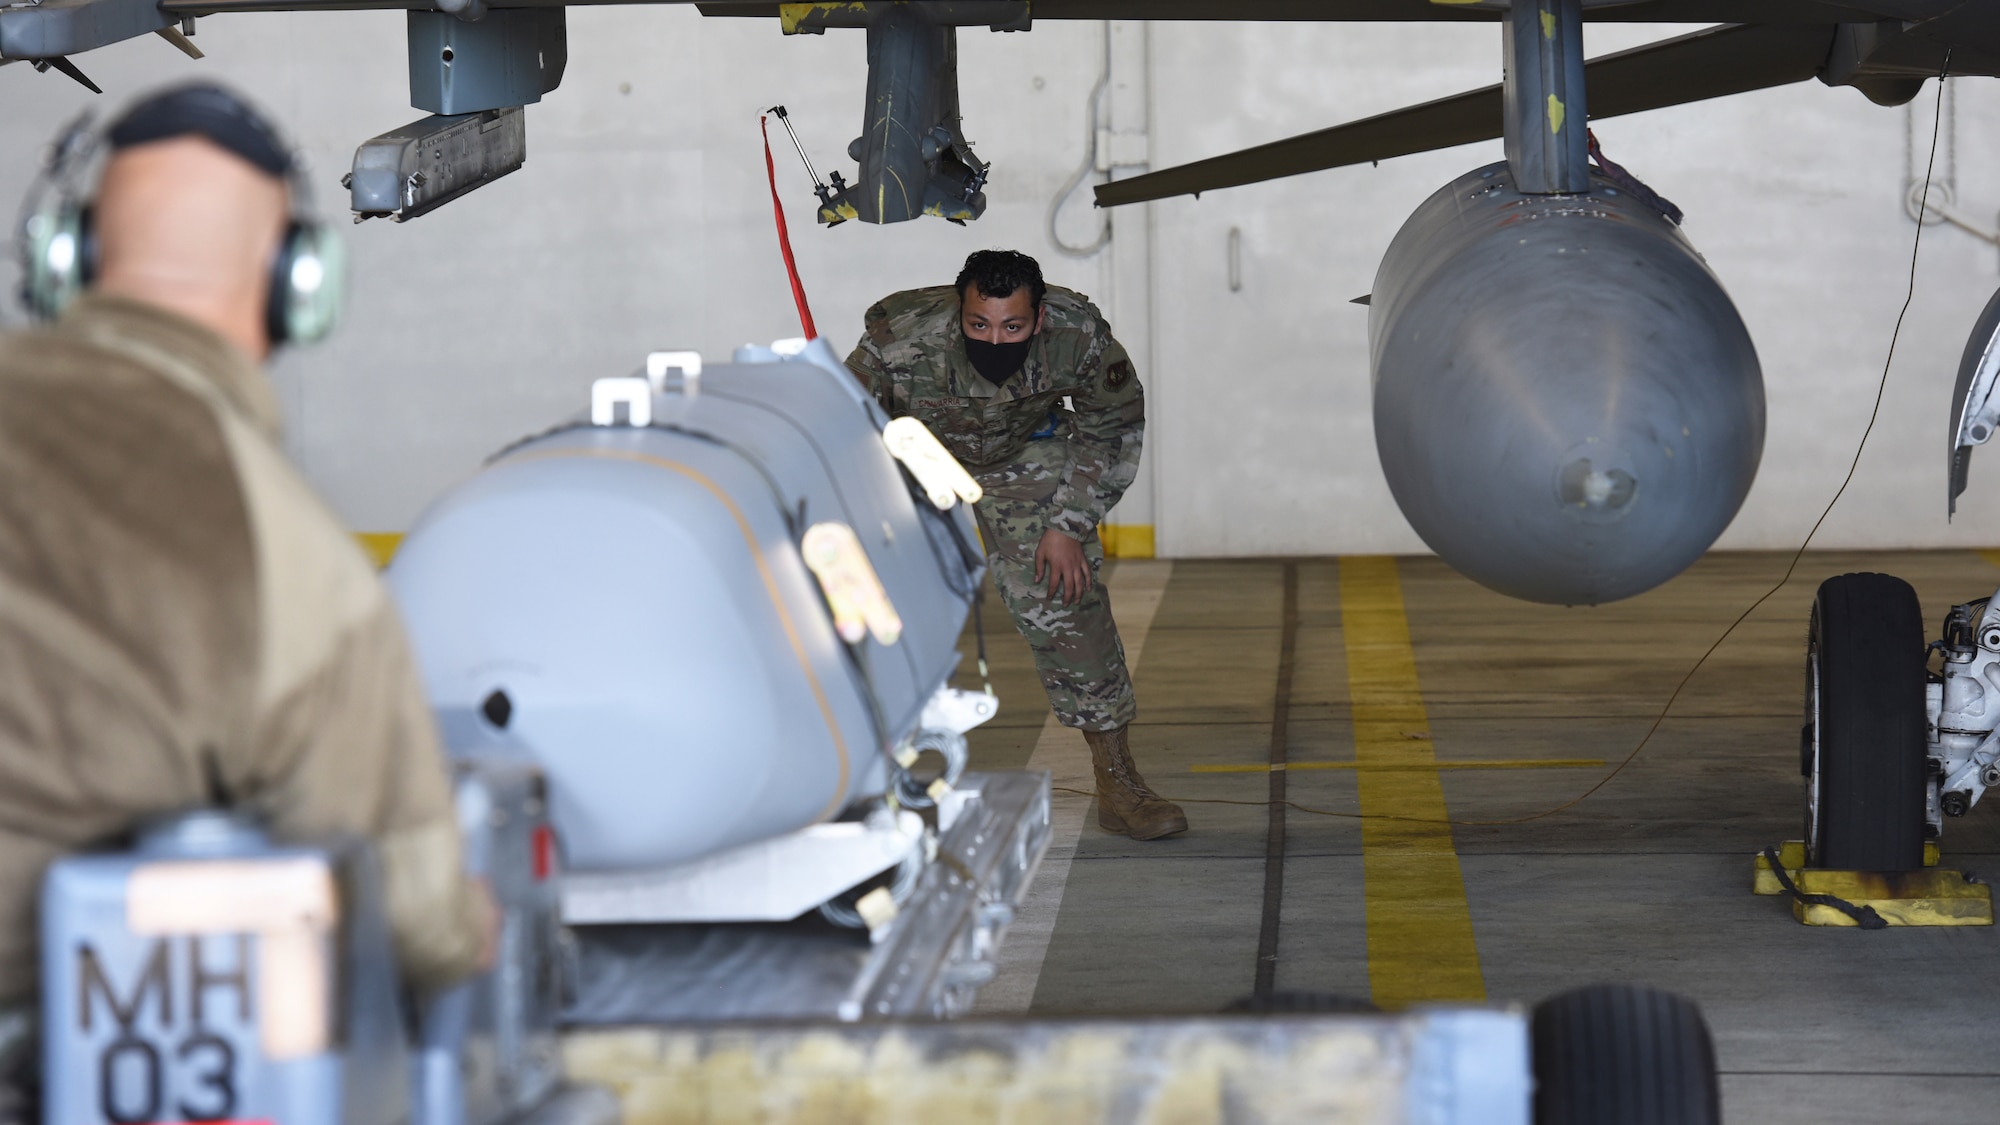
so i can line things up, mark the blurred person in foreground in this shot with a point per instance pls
(183, 623)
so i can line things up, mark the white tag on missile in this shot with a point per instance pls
(860, 605)
(944, 479)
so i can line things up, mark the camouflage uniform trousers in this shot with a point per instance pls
(1076, 646)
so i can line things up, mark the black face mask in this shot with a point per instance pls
(997, 362)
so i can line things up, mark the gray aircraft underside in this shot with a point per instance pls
(1573, 464)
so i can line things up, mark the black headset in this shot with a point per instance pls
(57, 239)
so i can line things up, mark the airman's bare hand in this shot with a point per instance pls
(1069, 571)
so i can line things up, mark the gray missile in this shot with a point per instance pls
(1567, 406)
(635, 608)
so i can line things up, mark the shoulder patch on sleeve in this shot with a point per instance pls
(1118, 374)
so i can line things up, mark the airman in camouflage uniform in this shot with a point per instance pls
(1054, 442)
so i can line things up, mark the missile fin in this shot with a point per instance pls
(58, 62)
(174, 35)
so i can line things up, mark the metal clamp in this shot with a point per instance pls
(958, 711)
(635, 394)
(658, 364)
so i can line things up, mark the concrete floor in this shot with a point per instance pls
(1645, 880)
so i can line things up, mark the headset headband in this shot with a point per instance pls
(209, 111)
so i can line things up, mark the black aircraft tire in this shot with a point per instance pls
(1621, 1054)
(1866, 744)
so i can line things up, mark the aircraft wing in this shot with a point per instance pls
(1393, 11)
(1706, 64)
(1250, 11)
(55, 28)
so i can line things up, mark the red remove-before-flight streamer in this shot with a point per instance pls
(784, 235)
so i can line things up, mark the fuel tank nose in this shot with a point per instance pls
(1597, 482)
(1568, 407)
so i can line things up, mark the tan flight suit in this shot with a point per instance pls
(183, 623)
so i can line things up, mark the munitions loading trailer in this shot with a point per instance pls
(212, 975)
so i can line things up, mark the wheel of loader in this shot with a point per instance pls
(1862, 747)
(1621, 1054)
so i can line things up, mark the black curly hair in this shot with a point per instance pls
(998, 273)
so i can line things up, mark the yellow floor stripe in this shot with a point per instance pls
(1420, 942)
(1991, 556)
(1377, 767)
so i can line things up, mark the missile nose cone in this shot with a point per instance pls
(1567, 407)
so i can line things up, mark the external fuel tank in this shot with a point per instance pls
(1567, 406)
(629, 606)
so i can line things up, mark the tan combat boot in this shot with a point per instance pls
(1124, 802)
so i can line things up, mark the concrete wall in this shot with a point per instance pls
(642, 221)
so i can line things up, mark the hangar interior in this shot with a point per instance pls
(1291, 637)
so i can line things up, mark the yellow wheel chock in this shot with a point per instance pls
(1930, 897)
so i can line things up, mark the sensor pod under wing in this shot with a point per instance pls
(628, 606)
(1567, 406)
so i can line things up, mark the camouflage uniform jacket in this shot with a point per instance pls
(913, 360)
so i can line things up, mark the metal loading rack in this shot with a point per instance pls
(926, 963)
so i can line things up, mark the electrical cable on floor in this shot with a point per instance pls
(1881, 389)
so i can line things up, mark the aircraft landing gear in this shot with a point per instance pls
(1863, 747)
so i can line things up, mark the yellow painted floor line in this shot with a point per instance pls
(1420, 941)
(1992, 556)
(1376, 767)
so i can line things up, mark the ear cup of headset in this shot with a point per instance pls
(307, 278)
(59, 252)
(59, 257)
